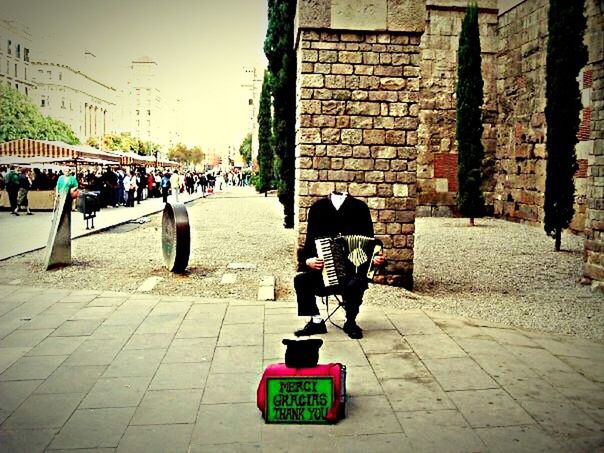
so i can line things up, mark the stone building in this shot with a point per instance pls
(592, 131)
(145, 102)
(84, 103)
(376, 115)
(15, 53)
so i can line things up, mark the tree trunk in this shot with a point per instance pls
(557, 238)
(471, 221)
(266, 193)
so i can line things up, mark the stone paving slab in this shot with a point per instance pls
(106, 371)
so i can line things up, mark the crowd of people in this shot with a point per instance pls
(116, 186)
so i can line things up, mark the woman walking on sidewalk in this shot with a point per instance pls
(24, 186)
(132, 186)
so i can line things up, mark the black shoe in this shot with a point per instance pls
(353, 330)
(311, 328)
(30, 213)
(16, 213)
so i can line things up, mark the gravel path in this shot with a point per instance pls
(498, 271)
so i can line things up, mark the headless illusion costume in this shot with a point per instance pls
(336, 214)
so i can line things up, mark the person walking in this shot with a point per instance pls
(165, 186)
(132, 186)
(24, 186)
(175, 184)
(11, 182)
(150, 185)
(203, 181)
(141, 184)
(120, 187)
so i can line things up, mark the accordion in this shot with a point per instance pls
(345, 258)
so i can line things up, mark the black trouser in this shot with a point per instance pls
(165, 191)
(130, 201)
(310, 284)
(12, 197)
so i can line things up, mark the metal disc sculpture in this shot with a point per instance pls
(176, 237)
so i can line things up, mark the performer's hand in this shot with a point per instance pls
(379, 259)
(315, 264)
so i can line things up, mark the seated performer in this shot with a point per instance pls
(336, 214)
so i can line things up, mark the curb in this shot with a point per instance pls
(99, 230)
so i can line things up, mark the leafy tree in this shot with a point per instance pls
(279, 49)
(94, 142)
(20, 118)
(144, 148)
(118, 142)
(180, 153)
(566, 55)
(265, 147)
(245, 149)
(197, 155)
(469, 117)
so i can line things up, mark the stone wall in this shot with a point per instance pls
(358, 115)
(593, 124)
(521, 132)
(437, 148)
(521, 158)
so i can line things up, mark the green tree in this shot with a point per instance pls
(94, 142)
(180, 153)
(469, 118)
(20, 118)
(566, 55)
(265, 146)
(279, 50)
(196, 155)
(118, 142)
(245, 149)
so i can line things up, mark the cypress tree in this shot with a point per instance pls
(279, 50)
(265, 148)
(566, 55)
(469, 117)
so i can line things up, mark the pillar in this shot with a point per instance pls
(357, 115)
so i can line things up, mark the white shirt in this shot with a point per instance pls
(337, 199)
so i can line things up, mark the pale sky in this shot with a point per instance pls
(201, 47)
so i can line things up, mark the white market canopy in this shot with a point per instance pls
(27, 151)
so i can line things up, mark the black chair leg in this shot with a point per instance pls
(325, 300)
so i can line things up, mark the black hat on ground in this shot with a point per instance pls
(302, 353)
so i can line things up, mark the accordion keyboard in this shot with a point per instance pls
(324, 252)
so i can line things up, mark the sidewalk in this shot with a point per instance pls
(130, 372)
(27, 233)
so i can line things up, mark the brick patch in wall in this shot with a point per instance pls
(445, 166)
(584, 128)
(582, 168)
(587, 78)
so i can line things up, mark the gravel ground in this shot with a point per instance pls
(498, 271)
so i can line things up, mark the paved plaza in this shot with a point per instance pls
(98, 370)
(133, 372)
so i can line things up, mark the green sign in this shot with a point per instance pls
(305, 399)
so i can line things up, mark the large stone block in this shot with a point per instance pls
(313, 13)
(359, 14)
(406, 15)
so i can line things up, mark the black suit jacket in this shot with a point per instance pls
(324, 220)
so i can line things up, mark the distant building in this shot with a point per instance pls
(15, 50)
(145, 102)
(87, 105)
(253, 83)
